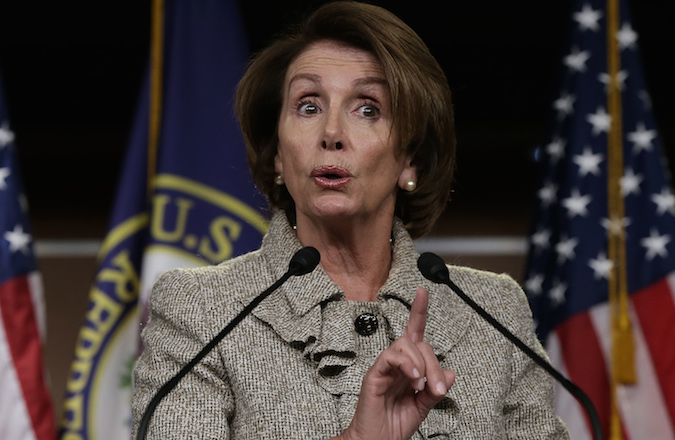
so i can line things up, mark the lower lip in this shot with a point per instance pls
(325, 182)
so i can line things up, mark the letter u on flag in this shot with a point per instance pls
(185, 198)
(601, 272)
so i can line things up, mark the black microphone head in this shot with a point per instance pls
(433, 268)
(304, 261)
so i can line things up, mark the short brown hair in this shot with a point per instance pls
(420, 96)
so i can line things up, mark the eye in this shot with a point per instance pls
(308, 108)
(369, 110)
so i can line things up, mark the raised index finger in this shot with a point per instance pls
(418, 316)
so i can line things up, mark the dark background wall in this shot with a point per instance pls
(72, 71)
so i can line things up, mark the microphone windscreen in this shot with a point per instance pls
(433, 267)
(304, 261)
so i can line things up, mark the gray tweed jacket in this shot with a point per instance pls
(293, 369)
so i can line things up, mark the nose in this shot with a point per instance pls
(333, 132)
(338, 145)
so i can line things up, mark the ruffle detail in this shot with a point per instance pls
(441, 420)
(310, 313)
(335, 348)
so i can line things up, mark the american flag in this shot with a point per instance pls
(572, 268)
(26, 411)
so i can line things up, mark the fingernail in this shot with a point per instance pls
(440, 387)
(416, 373)
(419, 385)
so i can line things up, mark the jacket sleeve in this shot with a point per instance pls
(202, 403)
(529, 405)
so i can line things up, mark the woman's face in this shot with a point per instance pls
(337, 149)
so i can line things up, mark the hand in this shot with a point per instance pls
(395, 398)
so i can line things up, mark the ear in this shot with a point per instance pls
(278, 163)
(409, 172)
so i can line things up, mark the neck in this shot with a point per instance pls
(355, 255)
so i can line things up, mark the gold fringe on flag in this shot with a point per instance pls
(623, 347)
(155, 111)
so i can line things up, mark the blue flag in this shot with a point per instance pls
(576, 271)
(203, 207)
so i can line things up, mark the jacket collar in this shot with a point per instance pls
(296, 311)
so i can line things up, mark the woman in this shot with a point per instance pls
(349, 130)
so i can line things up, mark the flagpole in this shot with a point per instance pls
(156, 68)
(623, 349)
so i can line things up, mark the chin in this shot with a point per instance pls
(335, 212)
(334, 208)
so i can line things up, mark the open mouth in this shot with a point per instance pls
(330, 172)
(331, 176)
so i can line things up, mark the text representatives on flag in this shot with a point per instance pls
(181, 208)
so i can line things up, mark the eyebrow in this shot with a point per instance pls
(368, 80)
(307, 76)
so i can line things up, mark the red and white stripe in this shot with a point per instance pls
(26, 411)
(581, 348)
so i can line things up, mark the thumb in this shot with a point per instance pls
(427, 400)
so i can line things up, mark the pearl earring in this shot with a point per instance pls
(410, 185)
(279, 179)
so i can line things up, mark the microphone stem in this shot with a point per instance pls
(171, 384)
(569, 385)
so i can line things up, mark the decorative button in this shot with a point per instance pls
(366, 324)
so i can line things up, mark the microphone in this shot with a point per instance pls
(304, 261)
(434, 269)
